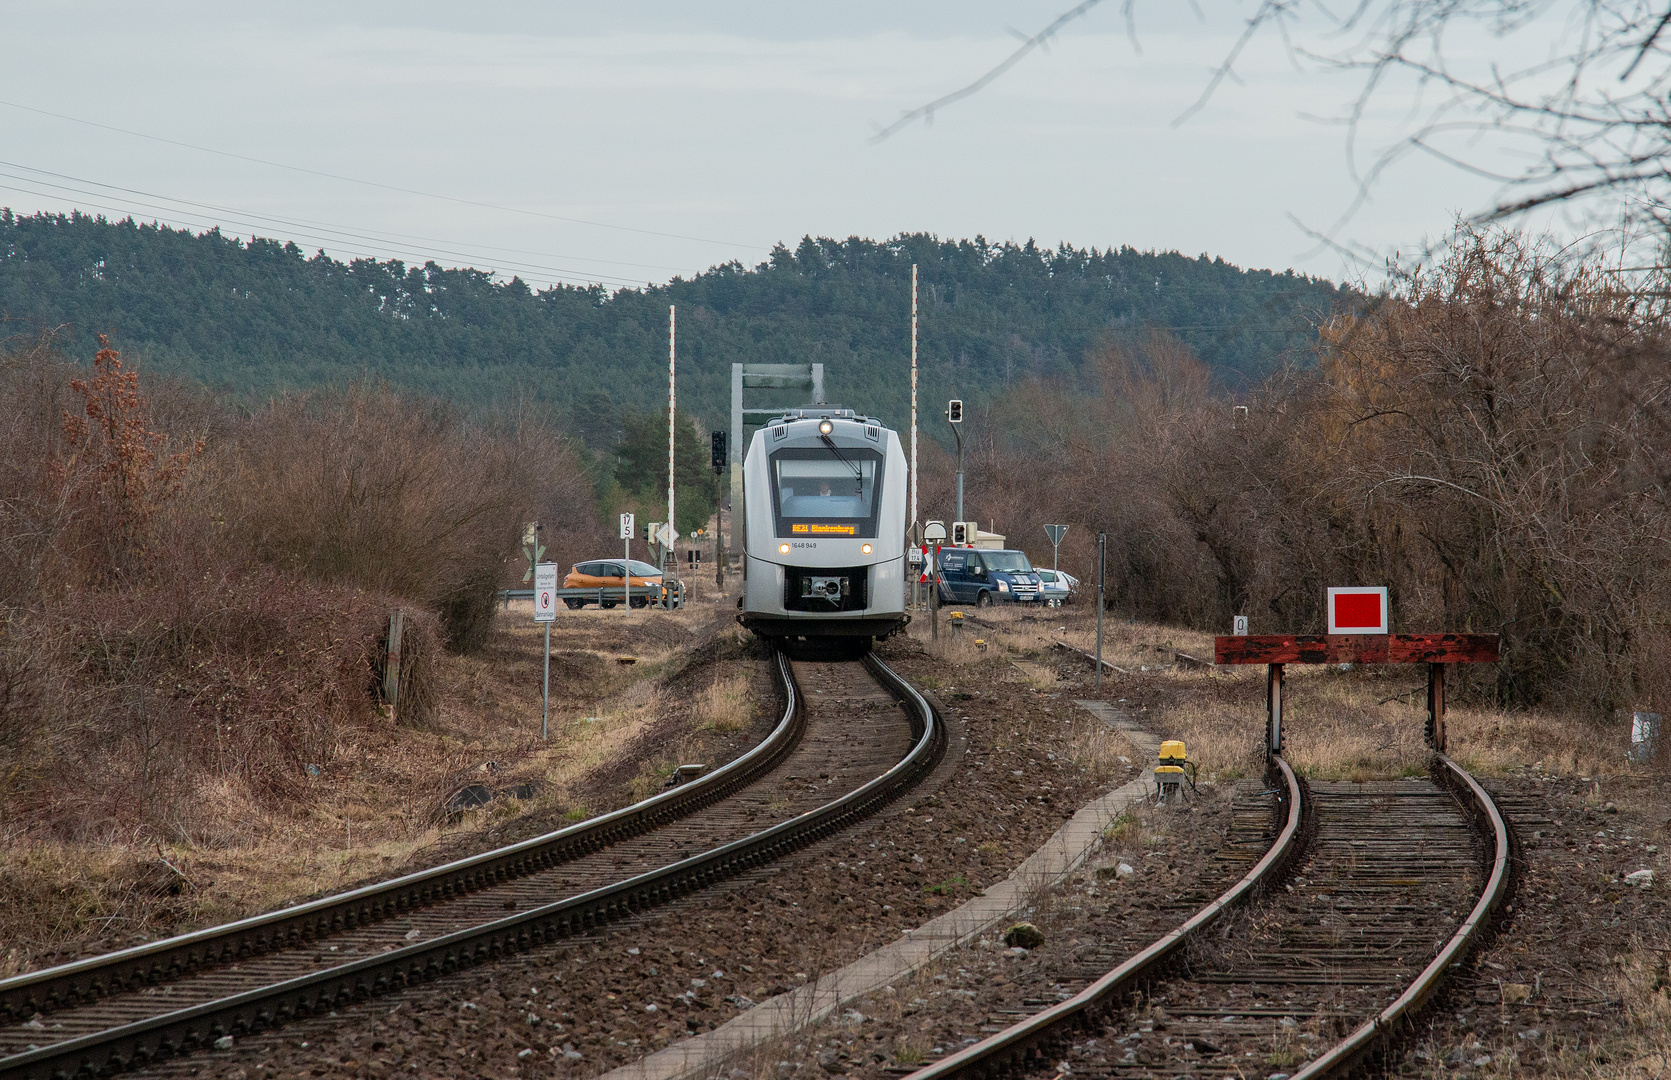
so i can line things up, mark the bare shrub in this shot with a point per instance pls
(1487, 439)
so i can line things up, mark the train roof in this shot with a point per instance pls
(821, 412)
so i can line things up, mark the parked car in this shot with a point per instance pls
(983, 578)
(606, 573)
(1056, 587)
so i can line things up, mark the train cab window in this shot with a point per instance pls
(824, 492)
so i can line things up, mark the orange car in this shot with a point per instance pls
(607, 574)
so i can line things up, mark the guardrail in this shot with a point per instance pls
(614, 594)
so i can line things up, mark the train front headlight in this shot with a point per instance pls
(783, 549)
(866, 549)
(825, 427)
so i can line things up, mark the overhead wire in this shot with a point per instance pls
(375, 183)
(330, 234)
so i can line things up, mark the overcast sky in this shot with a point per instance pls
(631, 141)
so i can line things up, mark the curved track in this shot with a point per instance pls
(136, 1006)
(1391, 897)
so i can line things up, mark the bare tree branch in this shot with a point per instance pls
(925, 113)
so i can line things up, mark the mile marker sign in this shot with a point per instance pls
(1359, 610)
(545, 592)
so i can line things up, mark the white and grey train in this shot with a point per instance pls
(824, 527)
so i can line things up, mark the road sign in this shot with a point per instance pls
(545, 592)
(1359, 610)
(1055, 532)
(626, 527)
(935, 532)
(1238, 626)
(920, 558)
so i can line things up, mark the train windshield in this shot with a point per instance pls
(826, 492)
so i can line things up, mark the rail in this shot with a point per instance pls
(21, 996)
(160, 1037)
(1340, 1059)
(1013, 1043)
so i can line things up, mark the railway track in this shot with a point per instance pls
(825, 765)
(1397, 884)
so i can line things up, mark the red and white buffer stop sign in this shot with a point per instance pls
(1359, 609)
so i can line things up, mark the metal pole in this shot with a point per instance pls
(1273, 710)
(672, 407)
(913, 395)
(934, 595)
(719, 544)
(545, 690)
(626, 573)
(1102, 547)
(959, 435)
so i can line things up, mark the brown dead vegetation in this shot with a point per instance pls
(1488, 440)
(194, 603)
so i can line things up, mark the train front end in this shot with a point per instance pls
(824, 497)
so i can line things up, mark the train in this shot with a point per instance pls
(824, 528)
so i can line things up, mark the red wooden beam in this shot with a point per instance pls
(1357, 649)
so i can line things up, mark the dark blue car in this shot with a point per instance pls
(983, 578)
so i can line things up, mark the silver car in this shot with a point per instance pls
(1056, 587)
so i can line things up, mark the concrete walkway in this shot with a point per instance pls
(1063, 853)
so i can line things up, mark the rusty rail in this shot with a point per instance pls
(1014, 1043)
(1344, 1055)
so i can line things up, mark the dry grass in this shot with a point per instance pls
(727, 705)
(375, 812)
(1359, 724)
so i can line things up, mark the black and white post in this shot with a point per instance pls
(626, 562)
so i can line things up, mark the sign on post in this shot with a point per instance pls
(545, 592)
(1238, 626)
(1055, 532)
(545, 611)
(626, 527)
(1359, 610)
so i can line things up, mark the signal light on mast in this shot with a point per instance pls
(954, 411)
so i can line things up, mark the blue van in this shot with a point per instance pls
(983, 578)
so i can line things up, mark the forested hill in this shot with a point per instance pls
(262, 316)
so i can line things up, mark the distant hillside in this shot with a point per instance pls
(262, 316)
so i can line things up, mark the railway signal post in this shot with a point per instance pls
(954, 417)
(720, 458)
(1358, 621)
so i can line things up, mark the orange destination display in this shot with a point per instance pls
(823, 530)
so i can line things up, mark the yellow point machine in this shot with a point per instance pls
(1172, 770)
